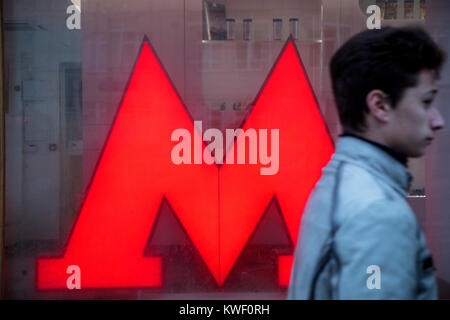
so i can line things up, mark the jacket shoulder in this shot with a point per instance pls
(359, 190)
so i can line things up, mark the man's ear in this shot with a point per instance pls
(378, 104)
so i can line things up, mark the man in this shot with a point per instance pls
(359, 238)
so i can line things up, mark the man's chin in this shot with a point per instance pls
(416, 153)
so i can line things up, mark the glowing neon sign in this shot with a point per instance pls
(219, 207)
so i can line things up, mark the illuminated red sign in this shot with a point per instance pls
(219, 207)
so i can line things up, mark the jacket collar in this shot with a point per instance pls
(397, 155)
(366, 154)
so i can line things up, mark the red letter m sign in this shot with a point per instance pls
(218, 206)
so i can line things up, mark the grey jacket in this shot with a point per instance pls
(358, 237)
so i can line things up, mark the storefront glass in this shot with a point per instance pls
(69, 67)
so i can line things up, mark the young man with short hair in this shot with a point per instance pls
(358, 237)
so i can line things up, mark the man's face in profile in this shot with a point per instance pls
(415, 119)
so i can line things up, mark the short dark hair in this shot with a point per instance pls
(389, 59)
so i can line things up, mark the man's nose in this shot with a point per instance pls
(436, 121)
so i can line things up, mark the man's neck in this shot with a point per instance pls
(401, 157)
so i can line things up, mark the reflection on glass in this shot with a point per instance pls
(231, 29)
(247, 29)
(214, 21)
(409, 9)
(391, 9)
(277, 28)
(422, 9)
(293, 27)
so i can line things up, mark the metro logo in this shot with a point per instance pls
(219, 207)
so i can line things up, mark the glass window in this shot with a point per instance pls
(78, 77)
